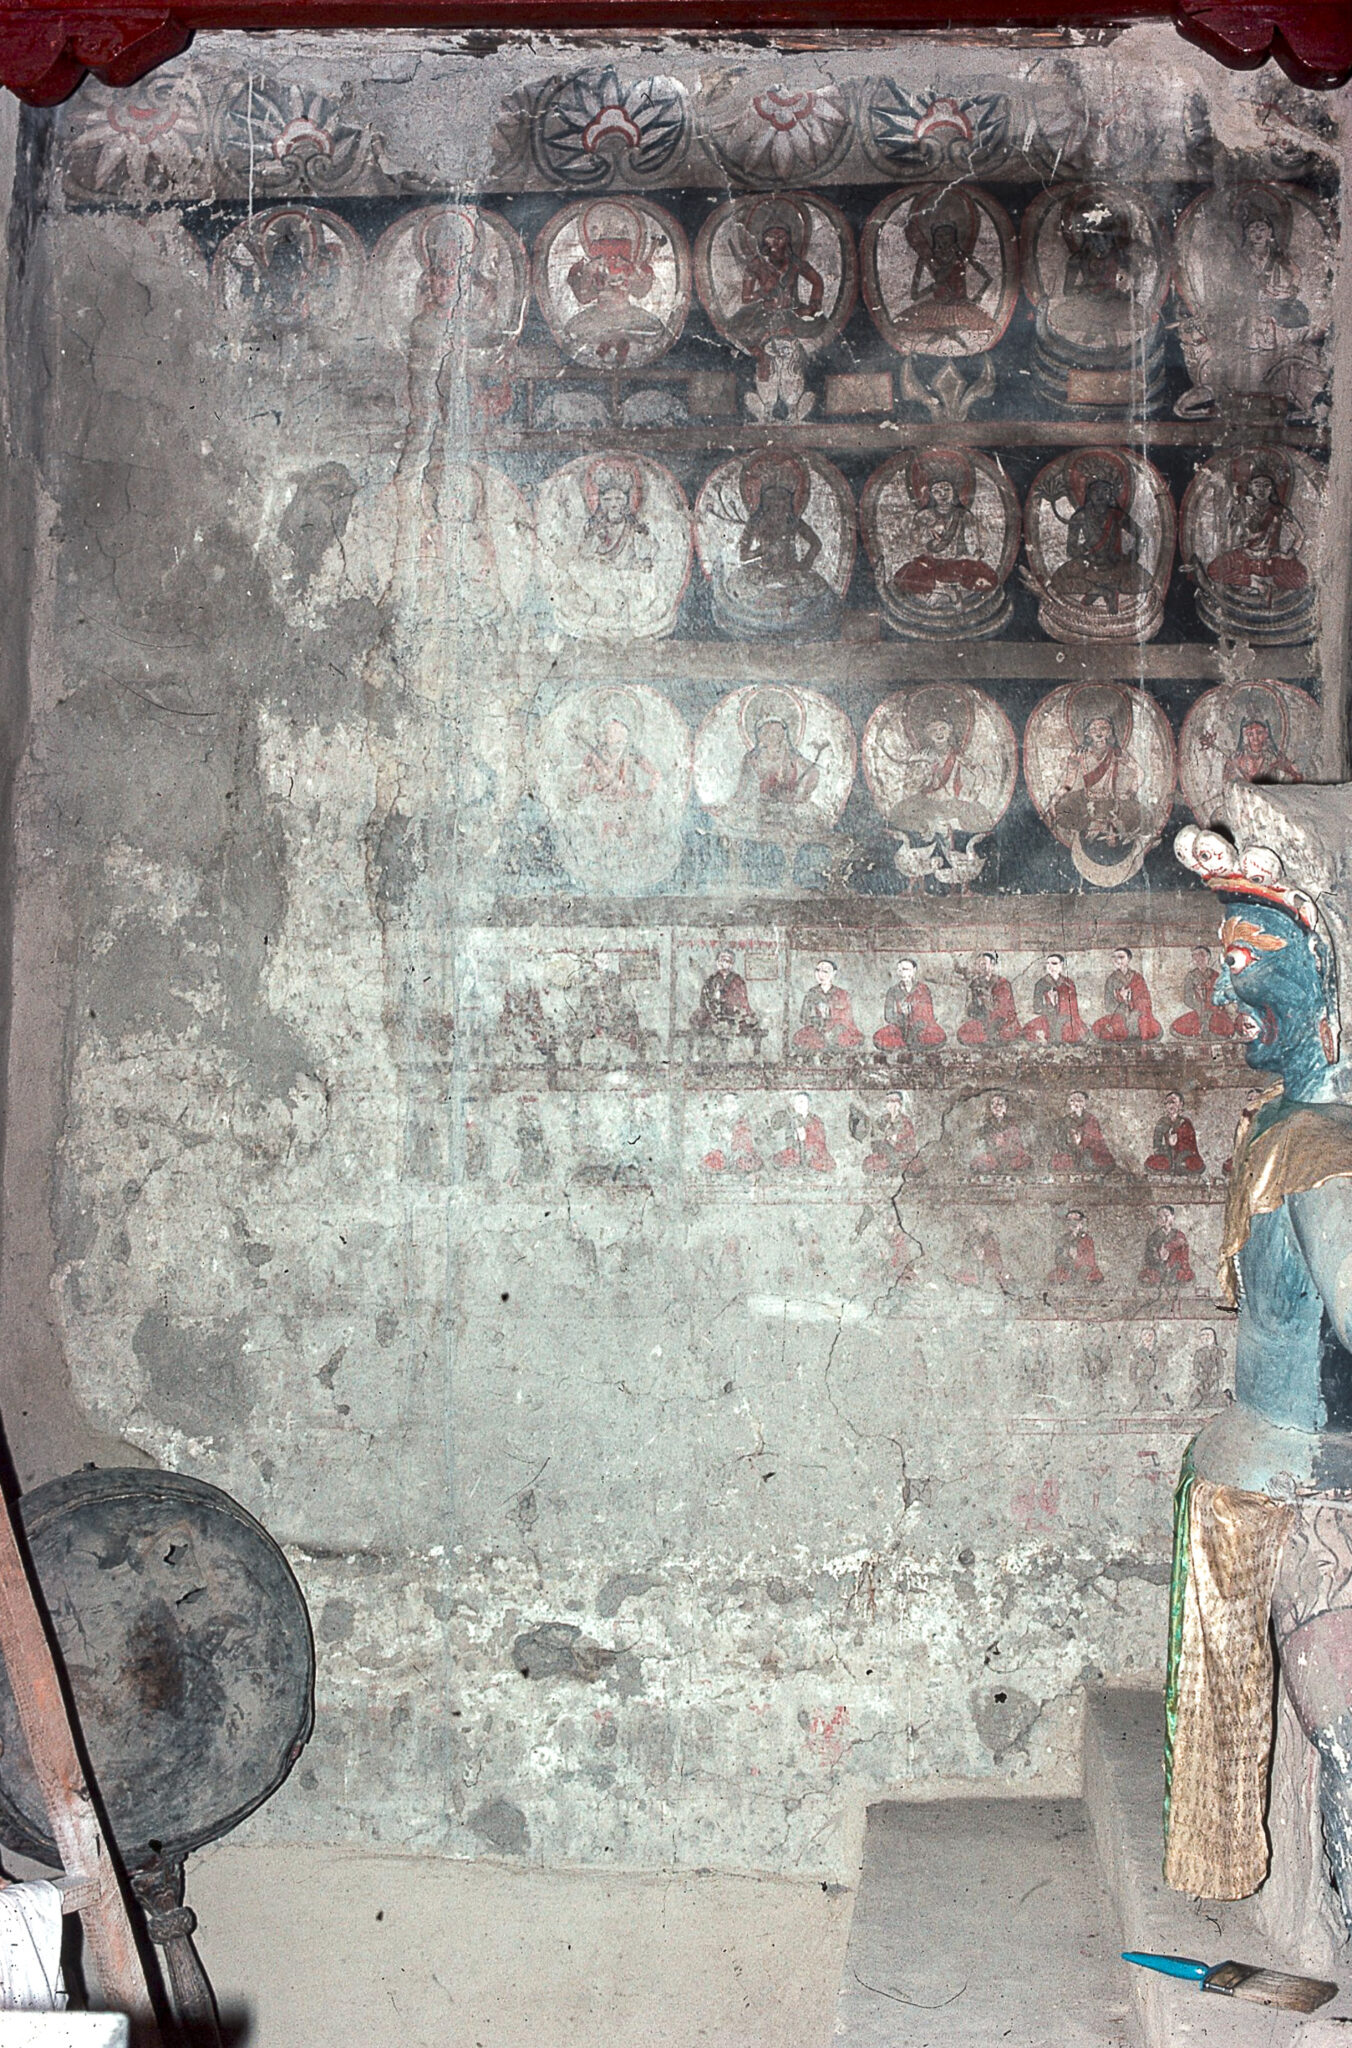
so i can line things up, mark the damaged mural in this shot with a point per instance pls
(645, 1086)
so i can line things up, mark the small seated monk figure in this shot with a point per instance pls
(1173, 1147)
(724, 1007)
(807, 1150)
(1166, 1261)
(1128, 1010)
(982, 1262)
(1078, 1143)
(739, 1155)
(1075, 1261)
(991, 1016)
(1001, 1145)
(908, 1014)
(1056, 1007)
(1203, 1017)
(891, 1134)
(827, 1018)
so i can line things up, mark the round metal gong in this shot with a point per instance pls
(187, 1647)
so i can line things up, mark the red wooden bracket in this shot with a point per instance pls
(47, 46)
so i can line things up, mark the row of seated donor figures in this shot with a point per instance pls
(1003, 1143)
(1263, 1518)
(827, 1022)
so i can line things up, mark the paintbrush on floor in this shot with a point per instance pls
(1243, 1980)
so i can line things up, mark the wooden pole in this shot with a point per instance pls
(93, 1882)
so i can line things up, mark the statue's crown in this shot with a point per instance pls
(1254, 876)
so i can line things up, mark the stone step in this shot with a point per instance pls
(982, 1923)
(1123, 1796)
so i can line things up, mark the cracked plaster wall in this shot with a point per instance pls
(661, 1492)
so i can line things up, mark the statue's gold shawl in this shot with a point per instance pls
(1305, 1149)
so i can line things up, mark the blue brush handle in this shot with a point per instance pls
(1169, 1966)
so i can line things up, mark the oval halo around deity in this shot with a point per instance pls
(941, 526)
(1253, 264)
(940, 759)
(1098, 761)
(777, 267)
(1241, 733)
(940, 270)
(775, 533)
(456, 277)
(612, 769)
(289, 267)
(776, 763)
(613, 546)
(1095, 264)
(612, 277)
(1251, 532)
(1099, 530)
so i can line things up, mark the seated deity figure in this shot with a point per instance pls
(1263, 1538)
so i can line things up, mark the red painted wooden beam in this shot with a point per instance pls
(47, 46)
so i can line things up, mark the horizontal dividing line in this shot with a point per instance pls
(1067, 923)
(1128, 1191)
(1180, 1420)
(729, 435)
(484, 1082)
(875, 663)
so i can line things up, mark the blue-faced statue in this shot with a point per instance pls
(1263, 1525)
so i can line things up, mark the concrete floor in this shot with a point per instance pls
(326, 1948)
(981, 1922)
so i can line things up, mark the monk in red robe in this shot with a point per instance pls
(1078, 1143)
(908, 1014)
(1130, 1014)
(1166, 1262)
(893, 1149)
(983, 1262)
(1075, 1261)
(740, 1155)
(1001, 1145)
(1173, 1147)
(827, 1021)
(1056, 1007)
(1202, 1015)
(807, 1150)
(991, 1017)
